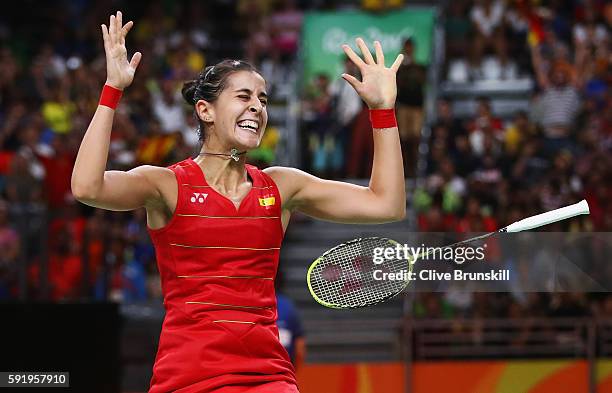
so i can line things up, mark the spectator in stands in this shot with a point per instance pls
(457, 29)
(361, 149)
(82, 88)
(346, 105)
(597, 192)
(485, 128)
(445, 117)
(411, 78)
(126, 277)
(489, 31)
(138, 239)
(58, 109)
(430, 306)
(21, 184)
(438, 151)
(58, 168)
(517, 133)
(519, 18)
(557, 106)
(452, 187)
(256, 30)
(185, 59)
(13, 117)
(65, 269)
(9, 70)
(591, 35)
(9, 253)
(124, 141)
(168, 107)
(321, 127)
(474, 220)
(530, 165)
(462, 155)
(285, 25)
(156, 147)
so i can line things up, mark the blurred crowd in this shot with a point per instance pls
(482, 171)
(52, 68)
(485, 172)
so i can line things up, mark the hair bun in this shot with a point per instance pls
(188, 91)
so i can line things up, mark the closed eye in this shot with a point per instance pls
(263, 101)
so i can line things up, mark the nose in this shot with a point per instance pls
(256, 106)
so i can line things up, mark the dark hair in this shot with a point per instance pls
(210, 83)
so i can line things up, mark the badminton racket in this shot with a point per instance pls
(343, 277)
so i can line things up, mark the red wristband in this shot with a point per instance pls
(383, 118)
(110, 96)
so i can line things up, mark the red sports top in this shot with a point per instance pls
(217, 266)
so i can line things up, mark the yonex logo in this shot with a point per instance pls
(198, 197)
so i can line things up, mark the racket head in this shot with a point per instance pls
(343, 277)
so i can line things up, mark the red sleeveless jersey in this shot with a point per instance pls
(217, 266)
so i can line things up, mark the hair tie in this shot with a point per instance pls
(209, 72)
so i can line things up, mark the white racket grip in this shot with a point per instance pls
(539, 220)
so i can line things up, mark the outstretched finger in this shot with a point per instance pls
(118, 25)
(119, 20)
(352, 80)
(111, 31)
(398, 61)
(126, 29)
(365, 51)
(353, 56)
(105, 37)
(380, 55)
(135, 61)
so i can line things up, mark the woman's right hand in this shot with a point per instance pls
(119, 73)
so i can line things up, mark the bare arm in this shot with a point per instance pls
(91, 183)
(384, 199)
(538, 66)
(581, 63)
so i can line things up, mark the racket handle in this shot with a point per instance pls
(549, 217)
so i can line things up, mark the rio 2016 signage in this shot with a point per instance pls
(325, 32)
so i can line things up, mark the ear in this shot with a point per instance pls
(205, 111)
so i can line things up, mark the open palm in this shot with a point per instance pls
(378, 87)
(119, 72)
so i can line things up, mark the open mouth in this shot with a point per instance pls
(249, 125)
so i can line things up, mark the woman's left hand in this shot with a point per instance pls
(378, 87)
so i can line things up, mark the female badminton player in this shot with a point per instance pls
(217, 223)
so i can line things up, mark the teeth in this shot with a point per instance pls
(249, 124)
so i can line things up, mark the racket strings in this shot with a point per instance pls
(344, 276)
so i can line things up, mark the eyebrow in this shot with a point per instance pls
(249, 92)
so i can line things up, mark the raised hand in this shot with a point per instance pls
(378, 87)
(119, 73)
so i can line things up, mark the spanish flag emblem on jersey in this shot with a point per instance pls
(267, 201)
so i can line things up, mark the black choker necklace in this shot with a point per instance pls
(234, 153)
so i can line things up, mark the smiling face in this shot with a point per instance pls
(238, 118)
